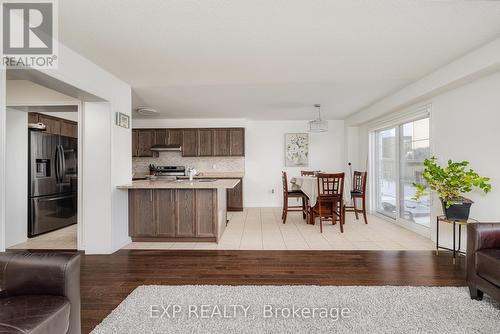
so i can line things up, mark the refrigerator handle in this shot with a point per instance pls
(59, 158)
(63, 164)
(56, 163)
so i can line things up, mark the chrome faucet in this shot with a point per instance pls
(191, 173)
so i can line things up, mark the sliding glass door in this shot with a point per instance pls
(386, 166)
(399, 153)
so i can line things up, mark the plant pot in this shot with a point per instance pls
(459, 211)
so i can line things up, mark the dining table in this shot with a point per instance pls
(308, 185)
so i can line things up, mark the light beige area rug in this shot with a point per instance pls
(301, 309)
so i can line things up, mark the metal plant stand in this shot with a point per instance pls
(456, 248)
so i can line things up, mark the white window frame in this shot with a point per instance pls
(395, 120)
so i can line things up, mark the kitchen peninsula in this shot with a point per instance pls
(178, 210)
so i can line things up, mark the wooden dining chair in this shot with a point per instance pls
(330, 205)
(287, 194)
(309, 172)
(358, 192)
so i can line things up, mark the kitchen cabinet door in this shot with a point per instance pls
(32, 117)
(160, 136)
(145, 141)
(237, 142)
(185, 225)
(165, 207)
(174, 136)
(190, 143)
(53, 124)
(69, 129)
(135, 142)
(221, 142)
(141, 213)
(206, 212)
(235, 197)
(205, 142)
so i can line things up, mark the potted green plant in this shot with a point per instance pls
(450, 183)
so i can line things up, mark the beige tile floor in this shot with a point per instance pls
(64, 238)
(261, 228)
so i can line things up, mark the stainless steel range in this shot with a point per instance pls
(170, 170)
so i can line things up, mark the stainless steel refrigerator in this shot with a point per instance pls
(52, 182)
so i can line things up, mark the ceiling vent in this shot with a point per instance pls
(146, 111)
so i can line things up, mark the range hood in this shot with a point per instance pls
(166, 148)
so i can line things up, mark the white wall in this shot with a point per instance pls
(70, 116)
(264, 158)
(188, 123)
(97, 232)
(464, 126)
(16, 209)
(26, 93)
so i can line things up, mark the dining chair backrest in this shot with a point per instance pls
(359, 182)
(309, 172)
(330, 185)
(285, 182)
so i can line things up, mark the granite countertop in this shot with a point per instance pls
(181, 184)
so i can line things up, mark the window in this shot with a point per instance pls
(399, 155)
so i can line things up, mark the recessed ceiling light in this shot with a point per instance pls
(146, 111)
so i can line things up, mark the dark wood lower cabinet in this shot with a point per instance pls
(206, 213)
(165, 207)
(186, 207)
(235, 197)
(141, 214)
(174, 214)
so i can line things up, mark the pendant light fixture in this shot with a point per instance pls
(318, 125)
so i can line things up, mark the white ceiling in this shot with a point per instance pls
(272, 59)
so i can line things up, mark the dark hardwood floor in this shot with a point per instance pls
(107, 279)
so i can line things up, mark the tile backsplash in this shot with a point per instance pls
(202, 164)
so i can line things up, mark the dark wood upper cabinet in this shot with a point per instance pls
(141, 213)
(135, 142)
(165, 212)
(144, 142)
(69, 129)
(205, 142)
(237, 142)
(160, 136)
(174, 136)
(32, 117)
(221, 142)
(53, 125)
(189, 143)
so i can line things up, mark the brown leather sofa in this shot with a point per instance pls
(483, 260)
(40, 293)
